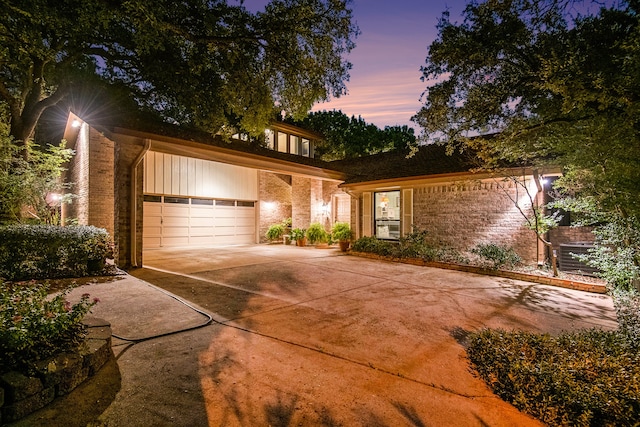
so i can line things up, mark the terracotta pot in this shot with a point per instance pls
(344, 245)
(301, 242)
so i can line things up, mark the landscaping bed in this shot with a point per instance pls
(21, 395)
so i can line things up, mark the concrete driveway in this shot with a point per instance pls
(305, 336)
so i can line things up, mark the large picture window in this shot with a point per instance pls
(387, 215)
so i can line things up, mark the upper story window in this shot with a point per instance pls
(285, 141)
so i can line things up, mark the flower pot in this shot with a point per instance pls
(301, 242)
(344, 245)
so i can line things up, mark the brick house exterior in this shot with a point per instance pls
(123, 175)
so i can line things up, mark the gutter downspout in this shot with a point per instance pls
(133, 245)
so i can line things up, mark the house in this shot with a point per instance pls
(155, 185)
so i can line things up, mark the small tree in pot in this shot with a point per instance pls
(341, 231)
(316, 233)
(299, 235)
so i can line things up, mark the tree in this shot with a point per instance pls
(346, 137)
(535, 82)
(30, 188)
(202, 63)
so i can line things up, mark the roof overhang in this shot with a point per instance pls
(181, 147)
(422, 180)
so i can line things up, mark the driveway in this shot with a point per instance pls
(305, 336)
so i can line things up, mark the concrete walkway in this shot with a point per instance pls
(304, 336)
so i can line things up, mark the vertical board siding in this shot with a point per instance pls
(367, 209)
(407, 211)
(183, 176)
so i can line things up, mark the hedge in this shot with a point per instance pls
(44, 251)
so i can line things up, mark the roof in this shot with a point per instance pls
(428, 160)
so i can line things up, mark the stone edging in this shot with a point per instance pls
(21, 395)
(543, 280)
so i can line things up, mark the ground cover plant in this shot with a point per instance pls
(35, 326)
(586, 378)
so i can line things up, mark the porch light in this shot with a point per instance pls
(76, 123)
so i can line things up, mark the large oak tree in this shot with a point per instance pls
(206, 63)
(547, 81)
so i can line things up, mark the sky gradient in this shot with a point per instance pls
(385, 86)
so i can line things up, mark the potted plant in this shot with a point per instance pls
(316, 233)
(299, 235)
(341, 232)
(275, 232)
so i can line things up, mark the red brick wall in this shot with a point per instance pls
(563, 235)
(300, 202)
(275, 201)
(465, 214)
(77, 174)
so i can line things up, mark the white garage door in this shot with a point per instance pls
(185, 221)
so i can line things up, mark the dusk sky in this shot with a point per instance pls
(385, 85)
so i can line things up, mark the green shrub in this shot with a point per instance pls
(45, 251)
(587, 378)
(34, 326)
(627, 304)
(497, 256)
(373, 245)
(316, 233)
(275, 232)
(341, 231)
(298, 233)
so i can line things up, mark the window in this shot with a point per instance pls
(269, 138)
(387, 215)
(294, 143)
(305, 148)
(179, 200)
(225, 202)
(155, 199)
(245, 204)
(205, 202)
(282, 142)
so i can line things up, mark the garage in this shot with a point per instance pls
(195, 202)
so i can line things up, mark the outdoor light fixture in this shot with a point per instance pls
(76, 123)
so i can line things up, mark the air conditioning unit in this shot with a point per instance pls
(568, 263)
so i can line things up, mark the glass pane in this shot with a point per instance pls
(208, 202)
(387, 214)
(269, 139)
(225, 202)
(155, 199)
(282, 142)
(294, 142)
(305, 148)
(179, 200)
(245, 204)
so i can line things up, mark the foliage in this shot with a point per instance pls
(341, 231)
(497, 255)
(346, 137)
(275, 232)
(627, 304)
(298, 233)
(616, 253)
(528, 82)
(42, 251)
(316, 233)
(221, 64)
(34, 326)
(587, 378)
(414, 245)
(286, 223)
(28, 176)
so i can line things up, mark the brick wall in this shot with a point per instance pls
(101, 175)
(127, 151)
(300, 202)
(77, 174)
(275, 200)
(465, 214)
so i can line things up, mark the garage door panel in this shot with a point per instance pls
(199, 222)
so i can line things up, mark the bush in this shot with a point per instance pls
(627, 304)
(341, 231)
(587, 378)
(497, 256)
(44, 251)
(275, 232)
(316, 233)
(34, 327)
